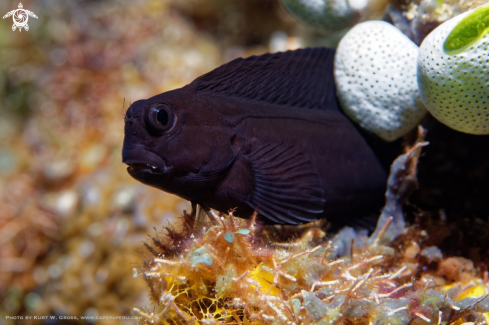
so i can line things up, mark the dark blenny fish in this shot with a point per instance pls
(264, 133)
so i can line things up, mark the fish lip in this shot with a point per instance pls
(152, 163)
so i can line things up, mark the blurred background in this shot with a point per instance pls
(71, 218)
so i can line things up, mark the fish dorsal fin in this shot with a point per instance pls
(301, 78)
(288, 188)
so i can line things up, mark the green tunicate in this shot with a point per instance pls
(229, 237)
(243, 232)
(296, 305)
(468, 31)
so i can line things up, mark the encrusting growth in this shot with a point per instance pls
(232, 272)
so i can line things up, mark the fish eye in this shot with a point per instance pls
(159, 119)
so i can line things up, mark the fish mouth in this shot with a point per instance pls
(135, 168)
(142, 161)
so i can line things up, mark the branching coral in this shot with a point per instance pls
(231, 272)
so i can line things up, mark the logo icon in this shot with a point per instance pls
(20, 16)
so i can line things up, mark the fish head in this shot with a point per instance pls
(175, 142)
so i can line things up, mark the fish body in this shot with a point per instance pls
(259, 134)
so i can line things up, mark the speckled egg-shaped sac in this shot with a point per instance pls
(375, 75)
(453, 72)
(327, 15)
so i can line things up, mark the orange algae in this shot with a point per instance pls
(252, 281)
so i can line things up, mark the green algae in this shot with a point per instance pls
(468, 31)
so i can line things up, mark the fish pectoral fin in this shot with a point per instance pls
(288, 188)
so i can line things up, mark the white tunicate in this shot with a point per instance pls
(124, 199)
(432, 254)
(315, 308)
(92, 314)
(455, 86)
(375, 75)
(66, 202)
(358, 4)
(91, 195)
(278, 41)
(328, 15)
(345, 238)
(40, 275)
(54, 271)
(86, 248)
(102, 274)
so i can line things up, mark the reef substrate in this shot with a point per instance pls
(229, 271)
